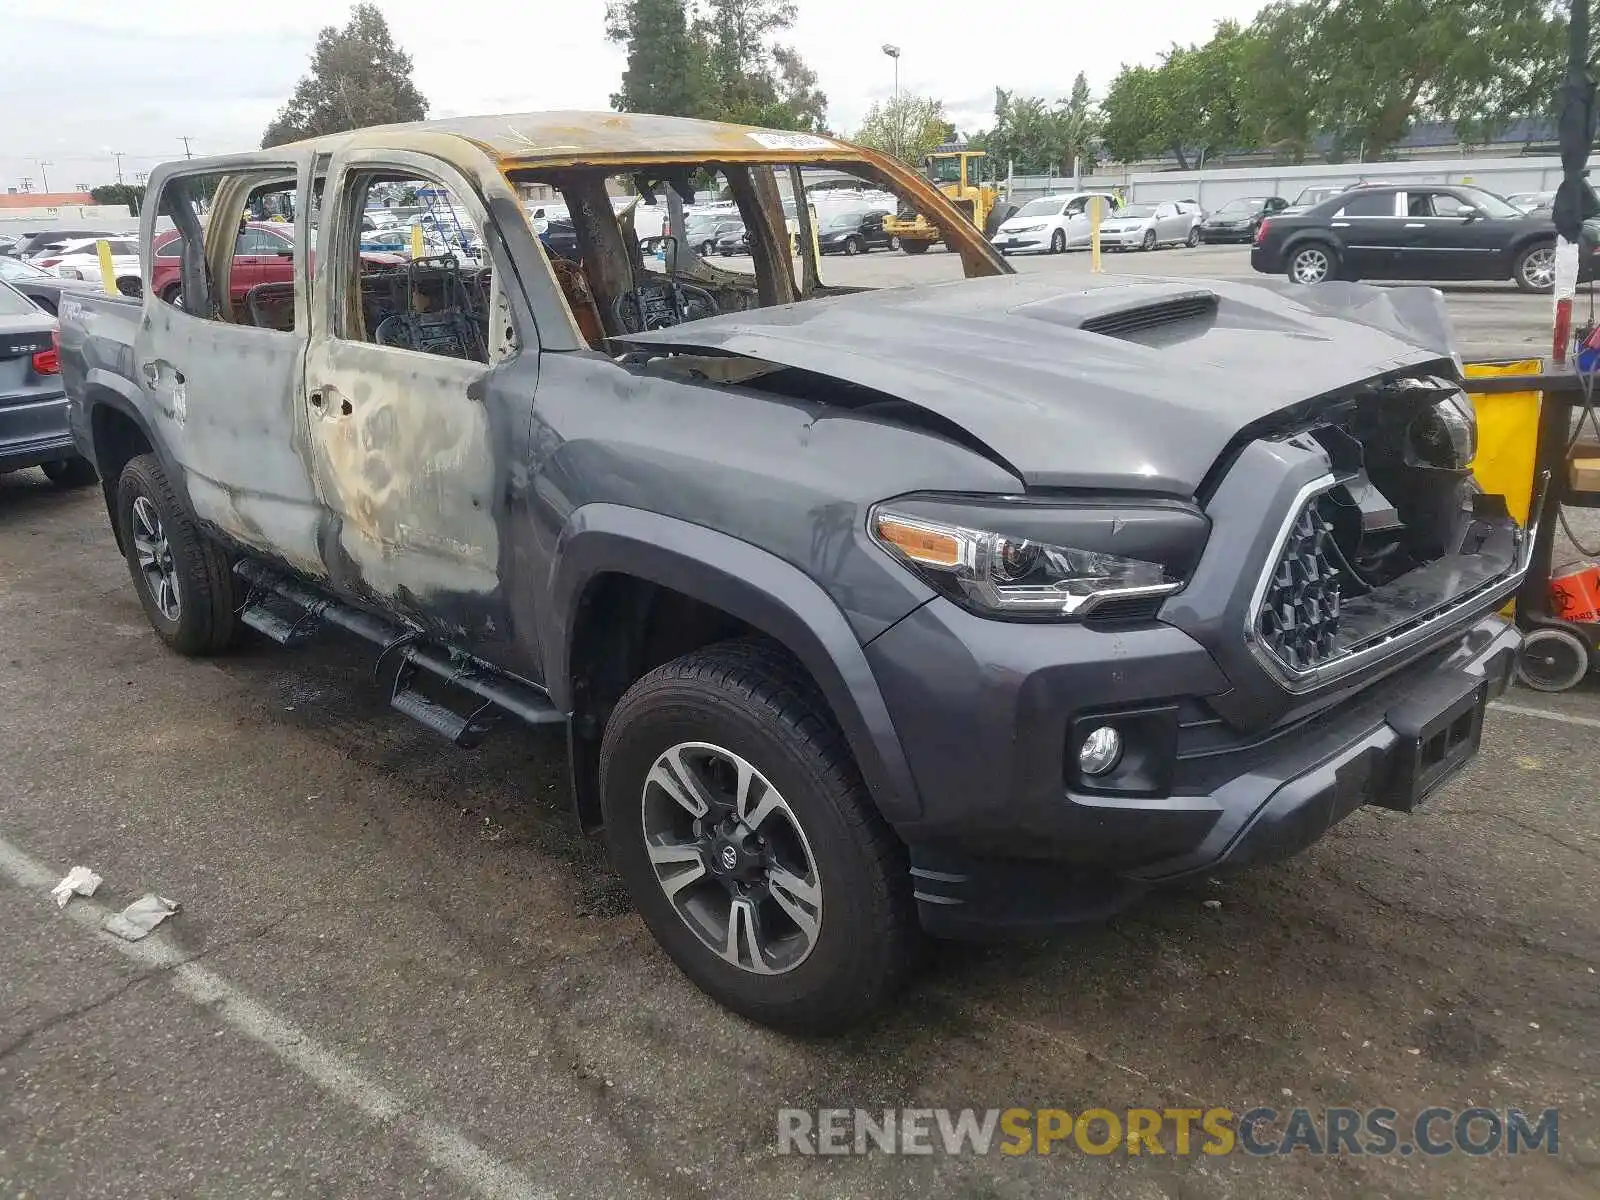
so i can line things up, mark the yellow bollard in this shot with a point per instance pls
(416, 241)
(1096, 203)
(108, 270)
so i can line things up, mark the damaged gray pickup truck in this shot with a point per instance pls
(971, 608)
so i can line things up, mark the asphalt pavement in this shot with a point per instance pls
(397, 970)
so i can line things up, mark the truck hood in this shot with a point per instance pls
(1009, 361)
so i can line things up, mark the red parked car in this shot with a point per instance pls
(264, 253)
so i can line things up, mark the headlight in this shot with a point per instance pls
(68, 273)
(1025, 228)
(1444, 435)
(1022, 558)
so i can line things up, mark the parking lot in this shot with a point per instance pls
(399, 971)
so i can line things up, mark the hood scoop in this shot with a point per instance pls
(1136, 316)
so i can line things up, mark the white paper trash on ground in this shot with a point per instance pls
(80, 881)
(140, 917)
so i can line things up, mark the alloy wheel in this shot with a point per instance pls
(732, 858)
(1311, 265)
(1539, 268)
(154, 553)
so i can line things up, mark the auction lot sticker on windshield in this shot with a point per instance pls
(793, 141)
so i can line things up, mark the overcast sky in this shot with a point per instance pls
(85, 77)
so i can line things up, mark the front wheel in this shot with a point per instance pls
(914, 247)
(852, 245)
(71, 472)
(1536, 268)
(183, 579)
(741, 826)
(1311, 264)
(1193, 239)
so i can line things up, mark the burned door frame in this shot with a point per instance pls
(416, 457)
(224, 393)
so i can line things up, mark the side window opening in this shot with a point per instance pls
(257, 263)
(443, 301)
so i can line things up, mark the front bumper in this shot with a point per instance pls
(1018, 243)
(1008, 843)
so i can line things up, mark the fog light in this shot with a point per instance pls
(1100, 751)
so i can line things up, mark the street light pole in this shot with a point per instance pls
(44, 174)
(894, 53)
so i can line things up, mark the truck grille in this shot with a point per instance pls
(1298, 621)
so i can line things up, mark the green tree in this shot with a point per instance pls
(720, 62)
(1193, 105)
(1078, 119)
(358, 77)
(667, 72)
(907, 127)
(131, 194)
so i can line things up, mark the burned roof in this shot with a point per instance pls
(559, 138)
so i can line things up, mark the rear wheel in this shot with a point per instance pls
(1536, 268)
(894, 243)
(741, 826)
(1311, 264)
(70, 472)
(183, 579)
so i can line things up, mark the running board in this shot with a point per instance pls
(289, 611)
(278, 618)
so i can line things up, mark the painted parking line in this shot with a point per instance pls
(446, 1148)
(1545, 714)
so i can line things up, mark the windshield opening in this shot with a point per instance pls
(945, 168)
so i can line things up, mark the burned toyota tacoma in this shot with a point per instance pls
(971, 608)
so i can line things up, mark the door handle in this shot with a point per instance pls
(1341, 224)
(1415, 225)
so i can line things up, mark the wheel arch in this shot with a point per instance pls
(117, 432)
(614, 564)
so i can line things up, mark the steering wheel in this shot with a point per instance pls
(660, 305)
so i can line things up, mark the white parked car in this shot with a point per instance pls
(1146, 226)
(81, 260)
(1051, 224)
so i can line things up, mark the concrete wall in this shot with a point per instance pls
(1215, 187)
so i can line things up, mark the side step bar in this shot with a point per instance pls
(289, 612)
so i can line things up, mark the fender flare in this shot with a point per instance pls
(107, 389)
(749, 583)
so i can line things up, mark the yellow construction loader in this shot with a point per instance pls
(967, 177)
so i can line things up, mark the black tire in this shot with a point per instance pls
(852, 245)
(1058, 242)
(1534, 270)
(1302, 265)
(174, 296)
(748, 698)
(203, 619)
(1193, 239)
(706, 249)
(913, 247)
(72, 472)
(894, 243)
(1149, 242)
(1553, 659)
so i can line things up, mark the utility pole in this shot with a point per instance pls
(1575, 199)
(43, 173)
(187, 153)
(117, 155)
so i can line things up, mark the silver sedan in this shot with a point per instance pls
(1146, 226)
